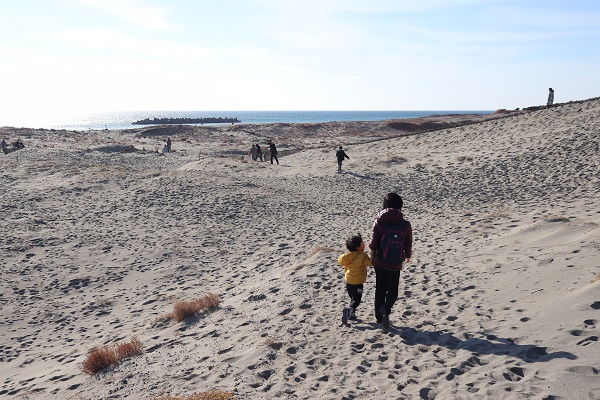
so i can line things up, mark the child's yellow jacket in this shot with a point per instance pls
(355, 265)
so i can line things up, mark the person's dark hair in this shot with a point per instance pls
(353, 243)
(340, 147)
(392, 200)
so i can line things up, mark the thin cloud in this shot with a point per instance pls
(134, 11)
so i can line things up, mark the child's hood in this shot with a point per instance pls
(348, 257)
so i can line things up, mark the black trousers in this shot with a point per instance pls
(355, 292)
(386, 290)
(274, 156)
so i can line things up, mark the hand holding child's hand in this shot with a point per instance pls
(407, 260)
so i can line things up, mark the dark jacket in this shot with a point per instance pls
(340, 154)
(389, 216)
(272, 148)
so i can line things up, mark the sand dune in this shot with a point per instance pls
(501, 300)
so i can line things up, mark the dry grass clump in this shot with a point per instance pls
(596, 279)
(210, 395)
(185, 309)
(103, 357)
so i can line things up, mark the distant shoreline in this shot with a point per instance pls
(123, 119)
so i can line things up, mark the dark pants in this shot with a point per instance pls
(386, 290)
(355, 292)
(274, 156)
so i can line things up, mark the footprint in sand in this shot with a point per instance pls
(587, 341)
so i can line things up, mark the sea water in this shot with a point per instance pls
(124, 120)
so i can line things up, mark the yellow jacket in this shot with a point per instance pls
(355, 265)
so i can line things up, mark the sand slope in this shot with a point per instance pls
(498, 301)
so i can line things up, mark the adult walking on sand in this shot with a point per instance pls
(550, 97)
(391, 245)
(341, 154)
(254, 153)
(259, 152)
(273, 151)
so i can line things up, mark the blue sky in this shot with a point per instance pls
(64, 56)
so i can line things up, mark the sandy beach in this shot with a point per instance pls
(102, 235)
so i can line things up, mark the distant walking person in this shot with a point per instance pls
(169, 144)
(259, 152)
(550, 96)
(254, 153)
(273, 151)
(341, 154)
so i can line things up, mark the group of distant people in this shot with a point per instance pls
(167, 147)
(257, 154)
(16, 145)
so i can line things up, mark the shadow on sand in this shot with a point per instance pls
(490, 344)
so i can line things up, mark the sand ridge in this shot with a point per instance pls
(500, 301)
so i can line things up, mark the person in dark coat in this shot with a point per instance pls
(387, 277)
(341, 154)
(273, 151)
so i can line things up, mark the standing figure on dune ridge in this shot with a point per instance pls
(550, 97)
(273, 151)
(340, 155)
(391, 245)
(253, 153)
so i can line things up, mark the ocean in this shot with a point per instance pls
(124, 120)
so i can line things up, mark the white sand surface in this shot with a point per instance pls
(501, 299)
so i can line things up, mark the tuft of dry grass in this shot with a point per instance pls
(596, 279)
(272, 343)
(556, 218)
(186, 309)
(103, 357)
(210, 395)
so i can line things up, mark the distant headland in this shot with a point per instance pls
(208, 120)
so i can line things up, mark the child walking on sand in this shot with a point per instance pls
(355, 262)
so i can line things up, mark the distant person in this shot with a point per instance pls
(273, 151)
(391, 244)
(254, 153)
(4, 146)
(341, 154)
(355, 262)
(169, 144)
(165, 150)
(259, 152)
(550, 96)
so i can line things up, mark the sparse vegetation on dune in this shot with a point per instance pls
(210, 395)
(186, 309)
(103, 357)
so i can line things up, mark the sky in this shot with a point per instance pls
(67, 56)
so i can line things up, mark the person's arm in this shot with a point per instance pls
(346, 155)
(375, 238)
(408, 240)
